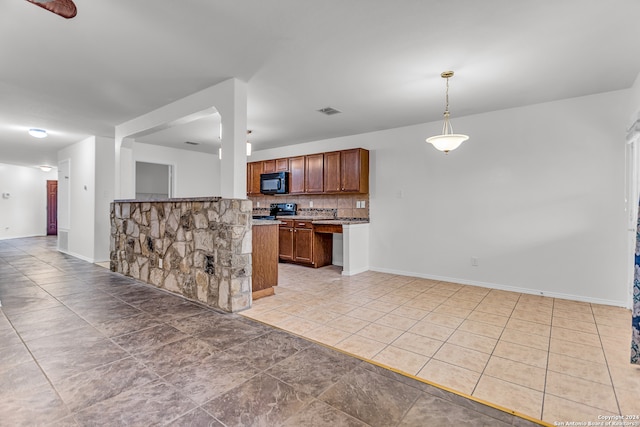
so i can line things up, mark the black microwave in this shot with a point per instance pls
(274, 183)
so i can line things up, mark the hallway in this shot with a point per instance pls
(82, 346)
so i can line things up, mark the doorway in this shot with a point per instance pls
(153, 181)
(52, 208)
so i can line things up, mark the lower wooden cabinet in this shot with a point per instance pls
(285, 241)
(300, 244)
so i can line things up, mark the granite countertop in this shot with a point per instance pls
(255, 222)
(179, 199)
(326, 220)
(340, 221)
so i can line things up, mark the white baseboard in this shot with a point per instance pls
(354, 272)
(559, 295)
(82, 257)
(22, 237)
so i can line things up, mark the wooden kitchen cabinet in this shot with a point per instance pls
(282, 165)
(314, 173)
(303, 243)
(354, 171)
(300, 244)
(254, 169)
(296, 175)
(268, 166)
(332, 168)
(345, 171)
(285, 240)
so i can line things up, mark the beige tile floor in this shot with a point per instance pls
(550, 359)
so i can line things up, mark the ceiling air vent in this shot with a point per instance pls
(329, 111)
(192, 143)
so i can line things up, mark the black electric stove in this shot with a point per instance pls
(279, 209)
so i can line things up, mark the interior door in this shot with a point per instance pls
(52, 208)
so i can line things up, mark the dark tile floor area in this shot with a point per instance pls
(82, 346)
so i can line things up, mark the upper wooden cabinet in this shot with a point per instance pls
(354, 173)
(313, 175)
(275, 165)
(254, 169)
(332, 168)
(345, 171)
(268, 166)
(296, 175)
(282, 165)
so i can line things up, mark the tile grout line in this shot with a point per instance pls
(604, 354)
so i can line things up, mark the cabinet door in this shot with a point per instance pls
(285, 243)
(282, 165)
(355, 170)
(303, 247)
(268, 166)
(254, 169)
(296, 175)
(332, 169)
(314, 173)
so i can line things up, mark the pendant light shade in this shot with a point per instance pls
(448, 140)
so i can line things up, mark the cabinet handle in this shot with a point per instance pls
(301, 224)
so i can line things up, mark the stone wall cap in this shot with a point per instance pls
(182, 199)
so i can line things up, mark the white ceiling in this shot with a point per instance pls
(378, 61)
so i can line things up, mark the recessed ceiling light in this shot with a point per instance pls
(329, 111)
(45, 168)
(38, 133)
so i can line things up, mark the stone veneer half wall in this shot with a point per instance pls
(198, 248)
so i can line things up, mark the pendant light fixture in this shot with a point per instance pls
(448, 140)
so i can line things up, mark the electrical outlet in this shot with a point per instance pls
(474, 261)
(159, 262)
(363, 204)
(310, 203)
(257, 204)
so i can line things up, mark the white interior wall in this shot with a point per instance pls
(536, 194)
(195, 174)
(82, 197)
(104, 194)
(635, 100)
(24, 212)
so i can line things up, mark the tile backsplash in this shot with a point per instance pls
(342, 206)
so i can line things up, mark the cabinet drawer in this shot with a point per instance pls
(328, 228)
(303, 224)
(287, 223)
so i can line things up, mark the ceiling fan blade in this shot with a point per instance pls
(65, 8)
